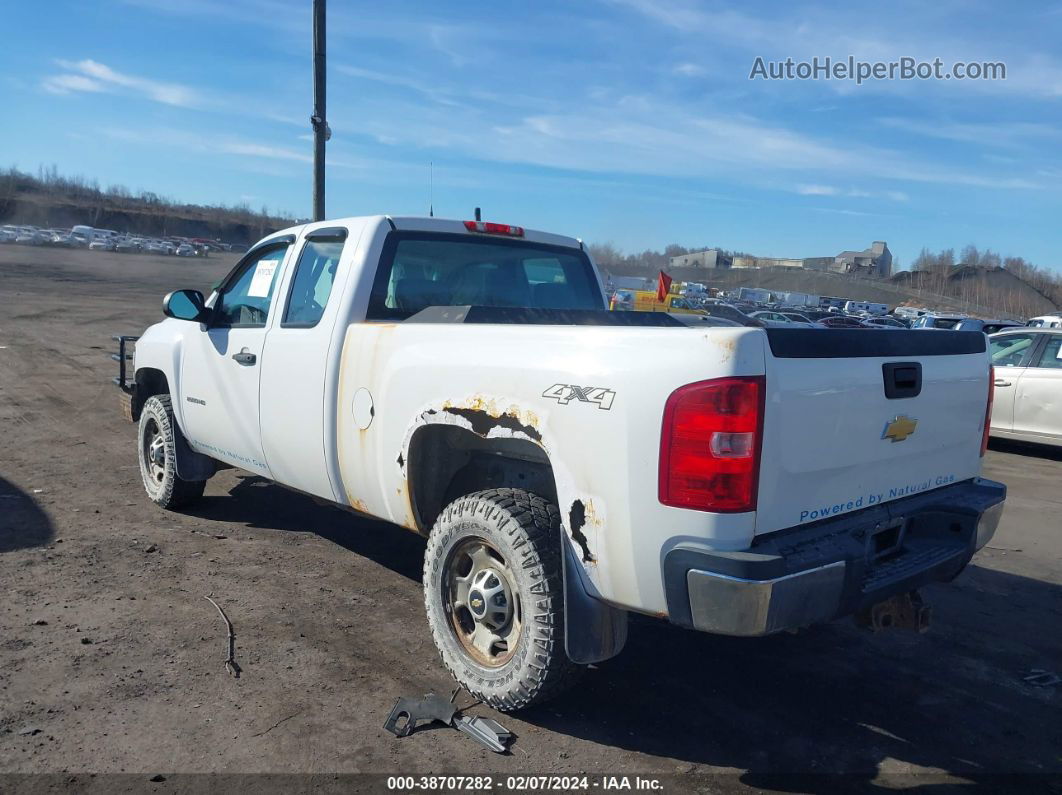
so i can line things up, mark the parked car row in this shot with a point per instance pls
(110, 240)
(32, 236)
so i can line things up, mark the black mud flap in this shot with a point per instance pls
(593, 630)
(190, 464)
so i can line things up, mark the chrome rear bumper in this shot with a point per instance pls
(811, 574)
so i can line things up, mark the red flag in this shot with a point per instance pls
(663, 286)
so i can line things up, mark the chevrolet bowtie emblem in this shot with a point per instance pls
(899, 428)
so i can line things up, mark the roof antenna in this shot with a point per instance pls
(431, 189)
(477, 214)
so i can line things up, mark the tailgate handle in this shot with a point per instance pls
(902, 379)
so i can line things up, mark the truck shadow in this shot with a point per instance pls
(259, 503)
(832, 700)
(23, 524)
(839, 700)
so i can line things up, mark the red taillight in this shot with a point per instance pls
(710, 445)
(491, 228)
(988, 408)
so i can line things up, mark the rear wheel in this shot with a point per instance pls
(494, 597)
(158, 457)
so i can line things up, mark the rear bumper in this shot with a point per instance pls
(821, 571)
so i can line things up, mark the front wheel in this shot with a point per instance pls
(493, 592)
(158, 457)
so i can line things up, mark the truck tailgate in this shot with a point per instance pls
(862, 417)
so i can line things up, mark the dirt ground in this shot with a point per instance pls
(111, 660)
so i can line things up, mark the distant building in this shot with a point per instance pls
(873, 261)
(819, 263)
(767, 262)
(712, 258)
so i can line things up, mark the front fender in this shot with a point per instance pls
(160, 348)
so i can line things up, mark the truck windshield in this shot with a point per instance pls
(422, 269)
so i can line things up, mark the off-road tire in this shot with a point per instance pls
(525, 529)
(165, 490)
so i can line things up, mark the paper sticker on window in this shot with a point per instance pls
(1058, 352)
(262, 280)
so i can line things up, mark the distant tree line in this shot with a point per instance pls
(943, 264)
(49, 198)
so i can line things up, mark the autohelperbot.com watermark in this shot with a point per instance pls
(859, 71)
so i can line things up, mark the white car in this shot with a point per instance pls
(1045, 321)
(102, 244)
(566, 464)
(8, 234)
(1028, 385)
(185, 250)
(28, 236)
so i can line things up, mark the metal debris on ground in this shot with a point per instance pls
(230, 661)
(1041, 678)
(408, 713)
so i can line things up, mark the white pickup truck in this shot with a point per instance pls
(568, 464)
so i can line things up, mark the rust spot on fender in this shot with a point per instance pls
(411, 523)
(401, 460)
(576, 521)
(358, 505)
(482, 422)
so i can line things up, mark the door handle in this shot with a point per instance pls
(1001, 382)
(244, 357)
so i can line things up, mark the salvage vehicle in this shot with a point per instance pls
(1028, 384)
(569, 465)
(649, 301)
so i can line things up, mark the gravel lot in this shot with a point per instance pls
(111, 659)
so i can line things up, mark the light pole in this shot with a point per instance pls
(321, 132)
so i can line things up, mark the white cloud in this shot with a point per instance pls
(995, 134)
(92, 76)
(251, 149)
(65, 84)
(207, 143)
(817, 190)
(689, 69)
(854, 193)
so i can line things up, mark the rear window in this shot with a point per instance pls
(419, 269)
(944, 323)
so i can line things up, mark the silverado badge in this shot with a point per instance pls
(899, 428)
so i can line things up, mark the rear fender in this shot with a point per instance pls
(594, 630)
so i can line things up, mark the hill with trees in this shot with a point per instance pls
(48, 199)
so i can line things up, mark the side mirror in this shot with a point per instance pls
(185, 305)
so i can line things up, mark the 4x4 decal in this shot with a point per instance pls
(565, 393)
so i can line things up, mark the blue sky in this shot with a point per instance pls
(624, 121)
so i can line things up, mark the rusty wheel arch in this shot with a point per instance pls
(445, 462)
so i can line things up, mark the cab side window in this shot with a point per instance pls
(245, 300)
(312, 283)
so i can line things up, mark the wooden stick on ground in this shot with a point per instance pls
(230, 662)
